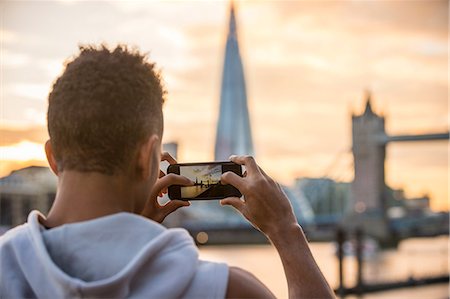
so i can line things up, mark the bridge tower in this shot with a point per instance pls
(368, 189)
(368, 186)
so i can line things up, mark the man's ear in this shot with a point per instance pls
(50, 157)
(146, 159)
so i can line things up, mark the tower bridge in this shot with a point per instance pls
(368, 189)
(421, 137)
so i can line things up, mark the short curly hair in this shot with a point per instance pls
(103, 106)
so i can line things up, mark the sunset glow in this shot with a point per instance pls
(307, 65)
(23, 151)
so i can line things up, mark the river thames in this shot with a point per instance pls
(416, 258)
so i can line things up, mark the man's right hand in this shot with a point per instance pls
(265, 205)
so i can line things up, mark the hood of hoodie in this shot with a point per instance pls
(119, 255)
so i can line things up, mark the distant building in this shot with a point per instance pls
(367, 190)
(327, 198)
(234, 135)
(421, 203)
(24, 190)
(300, 204)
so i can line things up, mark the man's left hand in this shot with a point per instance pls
(153, 210)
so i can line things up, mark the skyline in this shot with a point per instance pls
(307, 65)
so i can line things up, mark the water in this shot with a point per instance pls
(193, 191)
(414, 257)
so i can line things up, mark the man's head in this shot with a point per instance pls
(103, 109)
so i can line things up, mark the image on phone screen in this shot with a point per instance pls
(206, 180)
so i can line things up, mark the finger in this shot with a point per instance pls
(248, 161)
(235, 202)
(263, 172)
(162, 192)
(174, 205)
(232, 179)
(171, 179)
(165, 156)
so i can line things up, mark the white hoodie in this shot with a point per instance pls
(116, 256)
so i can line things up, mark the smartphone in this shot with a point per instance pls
(206, 178)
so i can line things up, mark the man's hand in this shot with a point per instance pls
(153, 210)
(265, 205)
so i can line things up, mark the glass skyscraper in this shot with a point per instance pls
(234, 135)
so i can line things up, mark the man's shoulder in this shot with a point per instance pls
(243, 284)
(209, 280)
(13, 244)
(21, 233)
(15, 234)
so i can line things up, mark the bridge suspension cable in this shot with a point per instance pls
(335, 162)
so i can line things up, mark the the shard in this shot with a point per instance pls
(234, 135)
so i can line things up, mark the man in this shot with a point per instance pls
(101, 237)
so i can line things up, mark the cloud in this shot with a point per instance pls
(34, 91)
(11, 136)
(7, 36)
(11, 60)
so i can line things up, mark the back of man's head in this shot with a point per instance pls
(102, 108)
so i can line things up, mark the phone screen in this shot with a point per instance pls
(206, 178)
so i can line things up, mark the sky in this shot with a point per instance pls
(307, 66)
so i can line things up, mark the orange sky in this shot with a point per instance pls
(307, 64)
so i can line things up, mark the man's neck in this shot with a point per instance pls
(85, 196)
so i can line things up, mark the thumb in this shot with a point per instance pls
(235, 202)
(232, 179)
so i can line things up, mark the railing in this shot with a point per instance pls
(379, 279)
